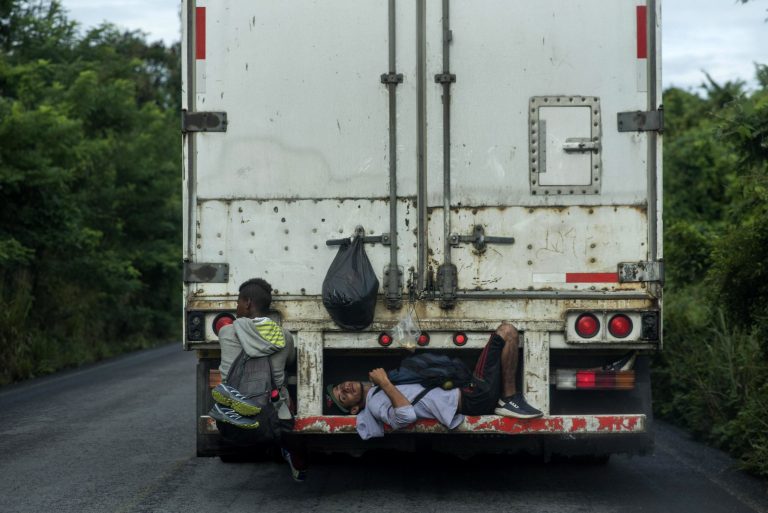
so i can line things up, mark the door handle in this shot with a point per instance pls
(580, 145)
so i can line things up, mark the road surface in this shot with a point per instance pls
(119, 436)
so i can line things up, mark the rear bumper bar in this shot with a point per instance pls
(492, 424)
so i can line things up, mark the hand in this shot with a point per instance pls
(378, 377)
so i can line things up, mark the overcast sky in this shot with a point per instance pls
(722, 37)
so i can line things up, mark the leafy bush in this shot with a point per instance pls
(712, 377)
(90, 206)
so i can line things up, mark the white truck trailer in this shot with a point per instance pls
(502, 159)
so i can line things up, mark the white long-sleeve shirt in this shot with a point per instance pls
(438, 404)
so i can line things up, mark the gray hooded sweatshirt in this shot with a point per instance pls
(257, 337)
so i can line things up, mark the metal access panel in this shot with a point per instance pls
(565, 145)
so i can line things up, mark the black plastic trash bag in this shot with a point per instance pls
(350, 287)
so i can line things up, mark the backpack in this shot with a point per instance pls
(431, 371)
(252, 377)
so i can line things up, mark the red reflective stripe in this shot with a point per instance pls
(200, 33)
(480, 365)
(591, 278)
(642, 32)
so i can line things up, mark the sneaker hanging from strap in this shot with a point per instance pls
(230, 416)
(227, 395)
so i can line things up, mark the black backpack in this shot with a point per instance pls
(431, 371)
(252, 377)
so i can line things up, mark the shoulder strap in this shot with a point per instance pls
(420, 396)
(416, 399)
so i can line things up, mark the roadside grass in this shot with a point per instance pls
(712, 379)
(30, 346)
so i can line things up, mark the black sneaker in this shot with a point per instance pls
(517, 407)
(298, 473)
(230, 416)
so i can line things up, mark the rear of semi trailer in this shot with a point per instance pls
(502, 159)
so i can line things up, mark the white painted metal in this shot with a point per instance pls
(308, 125)
(547, 240)
(506, 51)
(564, 168)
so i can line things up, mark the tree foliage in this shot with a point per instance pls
(713, 376)
(89, 190)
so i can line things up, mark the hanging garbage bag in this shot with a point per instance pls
(350, 287)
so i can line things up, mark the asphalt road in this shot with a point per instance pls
(119, 437)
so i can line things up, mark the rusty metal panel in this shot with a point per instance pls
(284, 241)
(536, 369)
(309, 347)
(199, 272)
(549, 241)
(492, 424)
(476, 318)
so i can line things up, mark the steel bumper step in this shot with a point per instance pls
(493, 424)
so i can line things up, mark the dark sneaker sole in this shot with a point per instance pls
(244, 409)
(255, 425)
(518, 415)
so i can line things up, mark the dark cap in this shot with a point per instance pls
(331, 403)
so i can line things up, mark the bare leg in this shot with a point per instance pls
(508, 358)
(514, 403)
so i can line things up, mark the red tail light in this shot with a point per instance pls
(620, 326)
(459, 339)
(604, 380)
(423, 339)
(385, 339)
(587, 325)
(221, 320)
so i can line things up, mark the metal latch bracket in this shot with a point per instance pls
(392, 78)
(201, 272)
(579, 145)
(633, 272)
(479, 240)
(641, 121)
(203, 121)
(360, 232)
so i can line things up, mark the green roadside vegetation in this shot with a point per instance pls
(90, 221)
(712, 377)
(90, 204)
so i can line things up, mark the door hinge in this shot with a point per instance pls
(642, 121)
(203, 121)
(198, 272)
(392, 78)
(447, 282)
(641, 272)
(445, 78)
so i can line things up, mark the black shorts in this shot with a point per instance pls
(481, 397)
